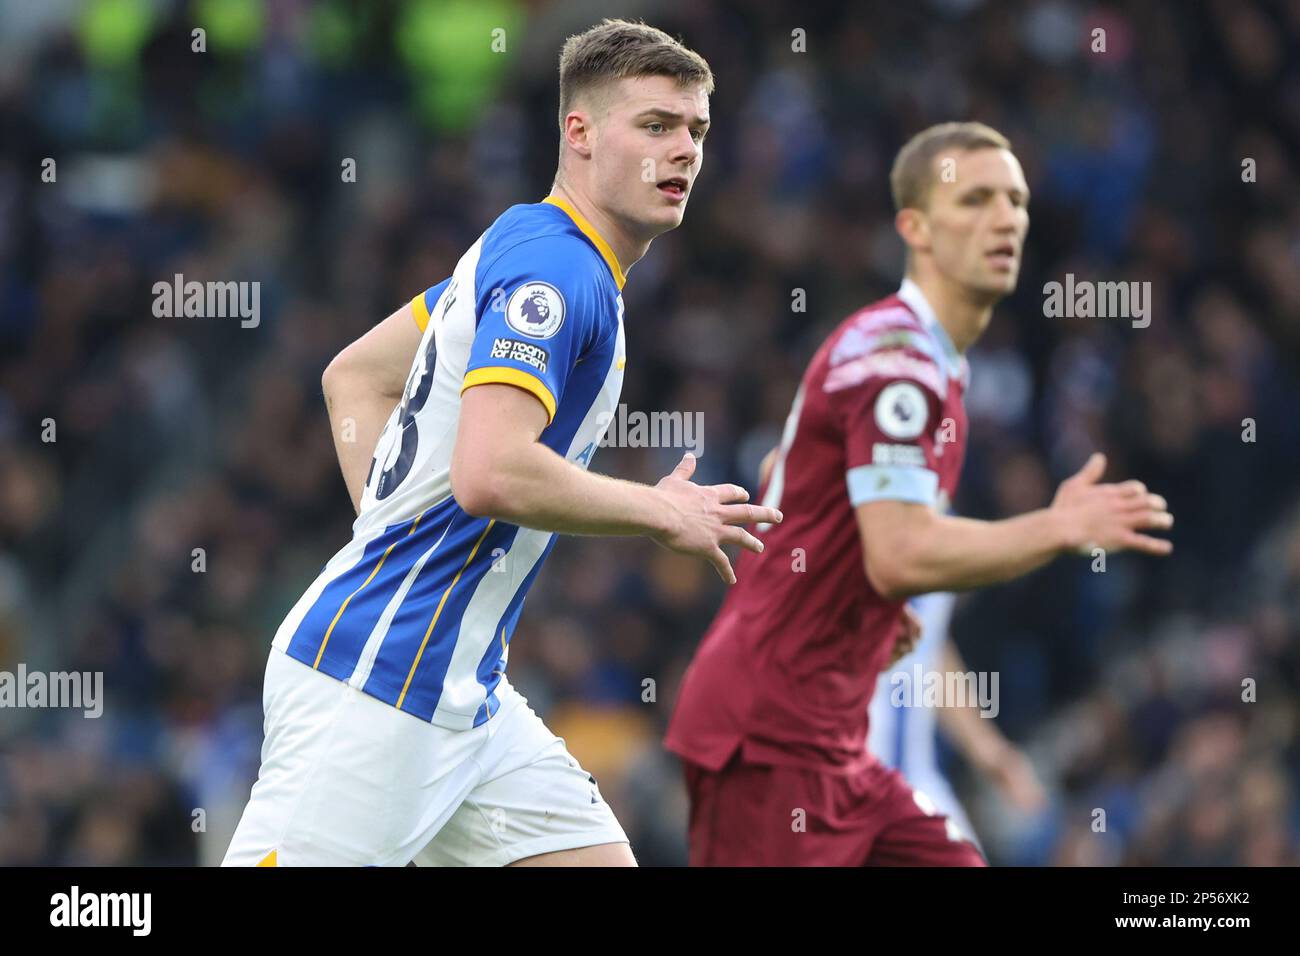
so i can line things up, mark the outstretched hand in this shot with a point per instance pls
(1111, 516)
(704, 517)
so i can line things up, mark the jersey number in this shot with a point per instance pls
(418, 387)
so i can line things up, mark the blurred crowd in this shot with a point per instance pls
(168, 486)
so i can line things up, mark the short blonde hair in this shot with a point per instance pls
(615, 49)
(913, 173)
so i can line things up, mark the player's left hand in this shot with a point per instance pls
(909, 635)
(1009, 769)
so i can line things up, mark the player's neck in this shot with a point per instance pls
(627, 249)
(963, 314)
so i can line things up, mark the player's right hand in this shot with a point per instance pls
(909, 635)
(1110, 516)
(702, 518)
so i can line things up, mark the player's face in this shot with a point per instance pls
(648, 151)
(978, 217)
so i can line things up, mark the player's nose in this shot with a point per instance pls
(685, 150)
(1007, 217)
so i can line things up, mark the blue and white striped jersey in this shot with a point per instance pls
(905, 737)
(418, 609)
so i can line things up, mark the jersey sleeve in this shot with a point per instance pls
(539, 312)
(888, 406)
(422, 305)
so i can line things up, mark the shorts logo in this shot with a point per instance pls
(901, 410)
(524, 352)
(536, 309)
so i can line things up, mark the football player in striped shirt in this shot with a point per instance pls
(392, 733)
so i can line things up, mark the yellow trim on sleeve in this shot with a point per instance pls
(269, 860)
(506, 375)
(596, 238)
(421, 310)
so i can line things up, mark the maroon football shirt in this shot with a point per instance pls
(787, 669)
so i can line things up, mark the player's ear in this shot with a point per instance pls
(914, 227)
(578, 132)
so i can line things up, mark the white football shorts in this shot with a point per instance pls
(347, 780)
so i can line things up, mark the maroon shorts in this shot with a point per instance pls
(755, 815)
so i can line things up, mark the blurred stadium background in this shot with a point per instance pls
(176, 434)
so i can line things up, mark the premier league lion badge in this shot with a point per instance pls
(536, 309)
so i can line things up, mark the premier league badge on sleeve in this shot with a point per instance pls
(901, 410)
(536, 309)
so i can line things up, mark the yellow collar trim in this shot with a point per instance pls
(596, 238)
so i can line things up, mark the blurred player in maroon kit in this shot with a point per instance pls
(771, 719)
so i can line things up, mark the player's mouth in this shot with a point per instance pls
(674, 188)
(1003, 256)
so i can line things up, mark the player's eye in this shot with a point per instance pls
(655, 127)
(697, 134)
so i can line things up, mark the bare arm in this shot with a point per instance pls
(765, 466)
(362, 385)
(986, 748)
(911, 549)
(977, 738)
(500, 469)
